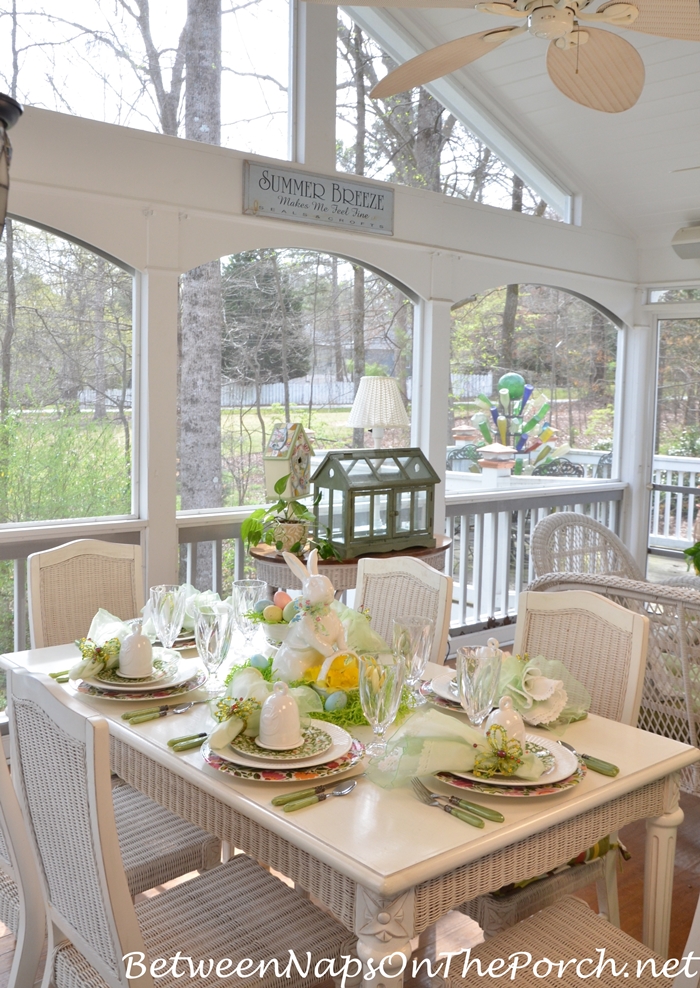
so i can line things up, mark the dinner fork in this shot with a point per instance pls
(425, 796)
(475, 808)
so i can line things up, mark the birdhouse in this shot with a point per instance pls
(375, 500)
(288, 452)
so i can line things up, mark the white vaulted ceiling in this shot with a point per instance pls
(640, 167)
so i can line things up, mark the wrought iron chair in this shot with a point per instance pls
(61, 759)
(604, 646)
(567, 541)
(603, 470)
(468, 452)
(560, 467)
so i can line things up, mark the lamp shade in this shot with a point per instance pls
(378, 404)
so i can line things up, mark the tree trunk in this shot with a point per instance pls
(202, 314)
(512, 292)
(98, 305)
(335, 324)
(599, 355)
(6, 367)
(284, 336)
(358, 284)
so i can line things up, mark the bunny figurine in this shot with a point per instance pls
(316, 632)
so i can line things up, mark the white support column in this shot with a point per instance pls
(312, 85)
(156, 386)
(429, 400)
(634, 431)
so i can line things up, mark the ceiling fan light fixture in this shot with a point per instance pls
(550, 24)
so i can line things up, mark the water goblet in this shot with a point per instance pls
(413, 640)
(245, 595)
(381, 679)
(167, 611)
(213, 626)
(478, 675)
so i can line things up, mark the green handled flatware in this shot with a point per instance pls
(186, 743)
(341, 789)
(153, 713)
(463, 804)
(292, 797)
(430, 799)
(594, 764)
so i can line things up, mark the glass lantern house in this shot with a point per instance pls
(375, 500)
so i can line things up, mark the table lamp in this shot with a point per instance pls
(378, 406)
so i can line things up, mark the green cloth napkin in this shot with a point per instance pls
(431, 742)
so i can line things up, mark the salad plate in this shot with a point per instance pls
(316, 741)
(92, 688)
(341, 742)
(285, 773)
(559, 764)
(172, 671)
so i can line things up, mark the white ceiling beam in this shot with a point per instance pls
(479, 114)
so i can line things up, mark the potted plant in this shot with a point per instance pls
(284, 524)
(693, 557)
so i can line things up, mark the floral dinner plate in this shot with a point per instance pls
(559, 763)
(523, 792)
(90, 688)
(286, 774)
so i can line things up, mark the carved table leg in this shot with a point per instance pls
(384, 929)
(658, 870)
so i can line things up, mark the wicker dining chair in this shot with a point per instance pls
(67, 586)
(564, 936)
(567, 541)
(238, 910)
(604, 646)
(389, 588)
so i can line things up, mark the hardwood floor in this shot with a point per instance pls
(455, 931)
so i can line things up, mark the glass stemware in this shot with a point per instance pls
(167, 611)
(478, 675)
(413, 640)
(213, 626)
(245, 595)
(381, 679)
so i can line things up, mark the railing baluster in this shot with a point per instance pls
(505, 525)
(519, 554)
(239, 559)
(478, 564)
(217, 576)
(190, 548)
(20, 604)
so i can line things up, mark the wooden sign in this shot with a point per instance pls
(284, 193)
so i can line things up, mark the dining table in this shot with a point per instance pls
(384, 864)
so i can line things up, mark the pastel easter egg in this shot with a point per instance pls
(261, 605)
(281, 599)
(290, 610)
(259, 661)
(336, 701)
(272, 614)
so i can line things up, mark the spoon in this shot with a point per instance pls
(342, 789)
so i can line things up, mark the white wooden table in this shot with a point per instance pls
(386, 865)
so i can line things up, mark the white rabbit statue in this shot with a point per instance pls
(316, 632)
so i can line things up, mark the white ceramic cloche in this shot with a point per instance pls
(280, 725)
(136, 655)
(508, 717)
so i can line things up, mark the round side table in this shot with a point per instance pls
(271, 567)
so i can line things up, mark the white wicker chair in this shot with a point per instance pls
(237, 910)
(604, 646)
(67, 585)
(392, 587)
(568, 542)
(671, 693)
(566, 932)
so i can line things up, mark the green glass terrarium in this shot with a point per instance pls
(375, 500)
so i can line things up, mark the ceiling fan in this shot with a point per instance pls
(595, 68)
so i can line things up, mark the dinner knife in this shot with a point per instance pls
(594, 764)
(292, 797)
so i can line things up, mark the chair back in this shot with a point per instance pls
(18, 866)
(391, 588)
(602, 644)
(568, 542)
(68, 585)
(60, 764)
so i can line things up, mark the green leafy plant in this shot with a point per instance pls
(326, 549)
(261, 524)
(693, 557)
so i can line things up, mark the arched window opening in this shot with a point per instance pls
(565, 348)
(275, 336)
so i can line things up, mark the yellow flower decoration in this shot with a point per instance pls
(504, 756)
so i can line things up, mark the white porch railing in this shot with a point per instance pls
(490, 557)
(673, 502)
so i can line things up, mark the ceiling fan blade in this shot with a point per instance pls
(606, 73)
(665, 18)
(441, 61)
